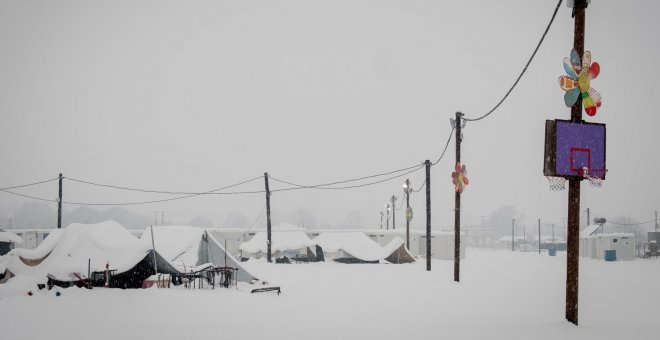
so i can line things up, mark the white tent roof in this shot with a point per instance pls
(177, 244)
(282, 240)
(7, 236)
(356, 244)
(66, 251)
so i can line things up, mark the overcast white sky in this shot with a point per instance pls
(195, 95)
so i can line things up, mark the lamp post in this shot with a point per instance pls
(381, 219)
(393, 212)
(388, 217)
(407, 189)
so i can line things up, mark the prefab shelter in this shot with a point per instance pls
(442, 245)
(70, 255)
(594, 243)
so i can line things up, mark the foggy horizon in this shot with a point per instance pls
(193, 98)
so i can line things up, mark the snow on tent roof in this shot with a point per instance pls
(282, 240)
(356, 244)
(7, 236)
(177, 244)
(66, 251)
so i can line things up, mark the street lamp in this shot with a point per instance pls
(407, 189)
(388, 216)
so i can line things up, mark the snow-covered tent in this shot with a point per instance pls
(8, 240)
(397, 252)
(356, 247)
(285, 243)
(69, 254)
(188, 247)
(350, 247)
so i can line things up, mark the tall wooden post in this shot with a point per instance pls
(408, 190)
(457, 205)
(513, 234)
(393, 212)
(427, 163)
(268, 226)
(59, 206)
(573, 232)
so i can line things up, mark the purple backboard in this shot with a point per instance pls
(571, 147)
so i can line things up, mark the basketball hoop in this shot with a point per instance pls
(557, 183)
(594, 176)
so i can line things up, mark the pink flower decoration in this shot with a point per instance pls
(459, 177)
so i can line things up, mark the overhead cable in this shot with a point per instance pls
(554, 14)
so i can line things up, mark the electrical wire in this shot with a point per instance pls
(446, 145)
(209, 192)
(524, 69)
(420, 187)
(30, 184)
(632, 224)
(324, 187)
(256, 220)
(28, 196)
(321, 186)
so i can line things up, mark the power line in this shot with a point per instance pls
(210, 192)
(630, 224)
(28, 196)
(446, 145)
(420, 187)
(324, 187)
(30, 184)
(524, 69)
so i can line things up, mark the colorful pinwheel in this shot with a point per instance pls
(577, 82)
(459, 177)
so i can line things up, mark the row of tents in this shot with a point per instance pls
(78, 253)
(344, 247)
(71, 255)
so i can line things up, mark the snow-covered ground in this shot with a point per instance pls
(502, 295)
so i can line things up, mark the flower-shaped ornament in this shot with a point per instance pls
(459, 177)
(577, 82)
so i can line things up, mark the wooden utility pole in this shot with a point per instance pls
(573, 228)
(268, 231)
(588, 217)
(656, 221)
(427, 164)
(153, 248)
(393, 212)
(408, 190)
(513, 234)
(59, 206)
(457, 205)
